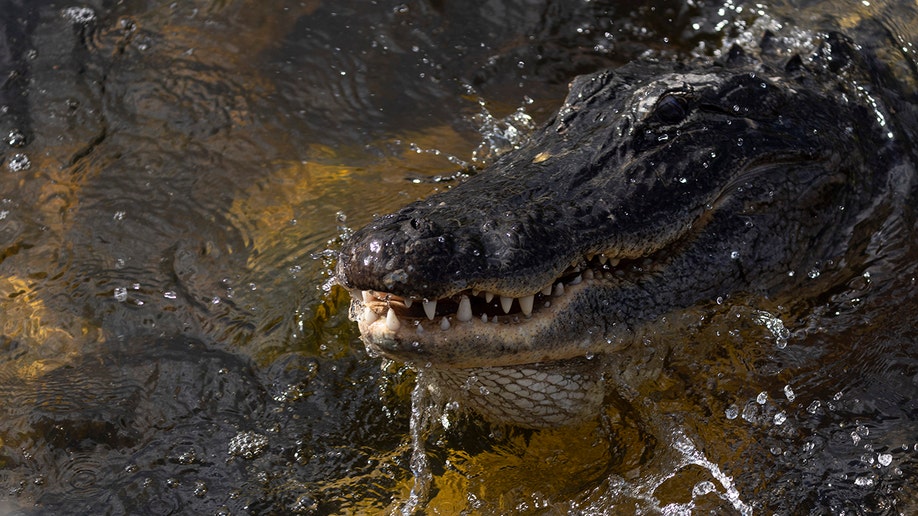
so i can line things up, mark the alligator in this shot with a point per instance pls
(657, 186)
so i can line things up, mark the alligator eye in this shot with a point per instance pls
(671, 109)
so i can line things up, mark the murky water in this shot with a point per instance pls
(172, 175)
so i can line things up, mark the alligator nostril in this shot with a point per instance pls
(415, 224)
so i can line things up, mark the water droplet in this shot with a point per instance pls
(19, 162)
(16, 138)
(789, 392)
(120, 294)
(732, 412)
(761, 398)
(702, 488)
(170, 294)
(863, 481)
(885, 459)
(734, 255)
(780, 418)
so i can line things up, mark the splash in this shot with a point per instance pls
(423, 421)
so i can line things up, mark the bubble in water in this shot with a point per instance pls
(19, 162)
(247, 445)
(81, 15)
(200, 488)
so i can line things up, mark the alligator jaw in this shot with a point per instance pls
(502, 330)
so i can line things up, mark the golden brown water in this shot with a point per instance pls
(175, 177)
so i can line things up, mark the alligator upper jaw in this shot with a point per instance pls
(473, 328)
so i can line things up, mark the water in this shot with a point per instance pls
(172, 175)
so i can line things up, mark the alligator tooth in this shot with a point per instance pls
(489, 296)
(526, 305)
(588, 274)
(367, 296)
(576, 281)
(590, 256)
(613, 262)
(408, 301)
(392, 321)
(603, 259)
(484, 318)
(430, 308)
(559, 290)
(464, 314)
(506, 303)
(420, 328)
(547, 290)
(369, 316)
(475, 292)
(444, 324)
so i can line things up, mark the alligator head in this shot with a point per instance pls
(655, 188)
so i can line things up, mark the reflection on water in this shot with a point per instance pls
(171, 175)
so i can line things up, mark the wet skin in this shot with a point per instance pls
(656, 188)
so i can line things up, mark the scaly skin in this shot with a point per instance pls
(656, 188)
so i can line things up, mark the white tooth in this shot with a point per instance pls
(369, 316)
(548, 304)
(465, 310)
(408, 302)
(430, 308)
(420, 328)
(588, 274)
(367, 296)
(603, 259)
(489, 296)
(392, 321)
(590, 256)
(613, 262)
(506, 303)
(559, 290)
(547, 290)
(494, 319)
(475, 292)
(484, 318)
(444, 324)
(576, 281)
(526, 305)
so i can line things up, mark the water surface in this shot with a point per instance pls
(175, 177)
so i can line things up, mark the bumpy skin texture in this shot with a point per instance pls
(727, 175)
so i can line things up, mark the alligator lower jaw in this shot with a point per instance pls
(476, 329)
